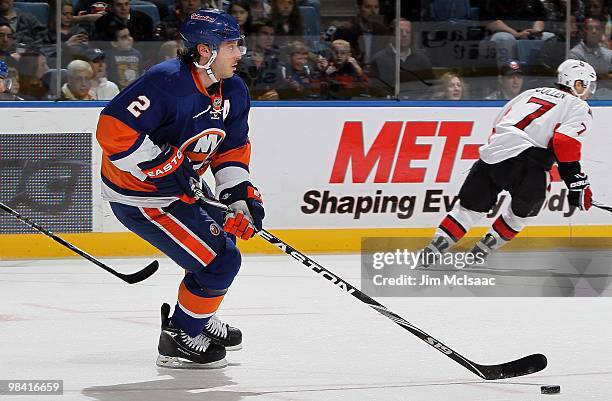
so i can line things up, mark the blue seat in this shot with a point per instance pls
(150, 9)
(38, 10)
(446, 10)
(311, 20)
(527, 51)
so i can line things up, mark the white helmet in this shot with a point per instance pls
(571, 71)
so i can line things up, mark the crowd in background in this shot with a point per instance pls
(299, 49)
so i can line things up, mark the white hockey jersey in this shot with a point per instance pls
(542, 117)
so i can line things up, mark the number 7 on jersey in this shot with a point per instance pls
(544, 107)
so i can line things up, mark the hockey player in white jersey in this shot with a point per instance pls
(533, 131)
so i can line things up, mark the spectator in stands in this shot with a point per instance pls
(11, 92)
(510, 82)
(125, 63)
(139, 23)
(101, 87)
(601, 10)
(261, 68)
(264, 76)
(168, 50)
(87, 12)
(415, 68)
(263, 38)
(241, 10)
(343, 78)
(32, 66)
(450, 86)
(366, 34)
(512, 20)
(596, 9)
(74, 37)
(79, 81)
(287, 21)
(260, 9)
(7, 50)
(27, 29)
(4, 73)
(91, 10)
(169, 26)
(72, 34)
(593, 8)
(301, 75)
(590, 50)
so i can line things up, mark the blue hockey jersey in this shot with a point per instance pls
(169, 104)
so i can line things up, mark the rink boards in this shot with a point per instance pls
(330, 174)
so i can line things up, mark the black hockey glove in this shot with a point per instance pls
(169, 172)
(580, 194)
(247, 210)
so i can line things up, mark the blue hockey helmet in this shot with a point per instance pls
(3, 70)
(210, 27)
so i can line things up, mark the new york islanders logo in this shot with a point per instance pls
(201, 147)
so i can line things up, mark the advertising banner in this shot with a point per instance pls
(391, 167)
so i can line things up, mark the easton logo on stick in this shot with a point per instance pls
(305, 260)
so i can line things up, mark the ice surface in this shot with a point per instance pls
(303, 338)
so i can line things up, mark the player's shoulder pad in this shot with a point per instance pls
(173, 77)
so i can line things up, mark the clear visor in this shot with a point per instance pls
(240, 43)
(592, 87)
(242, 46)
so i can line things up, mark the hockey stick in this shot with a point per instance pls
(601, 206)
(520, 367)
(128, 278)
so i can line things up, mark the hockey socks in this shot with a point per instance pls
(457, 223)
(452, 228)
(503, 230)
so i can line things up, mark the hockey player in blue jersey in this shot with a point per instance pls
(178, 119)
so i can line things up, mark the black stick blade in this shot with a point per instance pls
(521, 367)
(140, 275)
(602, 206)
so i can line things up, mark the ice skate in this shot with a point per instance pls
(482, 249)
(438, 246)
(223, 334)
(177, 350)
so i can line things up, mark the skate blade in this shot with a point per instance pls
(234, 347)
(174, 362)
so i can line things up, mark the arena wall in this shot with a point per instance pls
(330, 174)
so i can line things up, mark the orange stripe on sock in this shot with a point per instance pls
(196, 304)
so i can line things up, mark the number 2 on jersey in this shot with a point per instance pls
(138, 106)
(544, 107)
